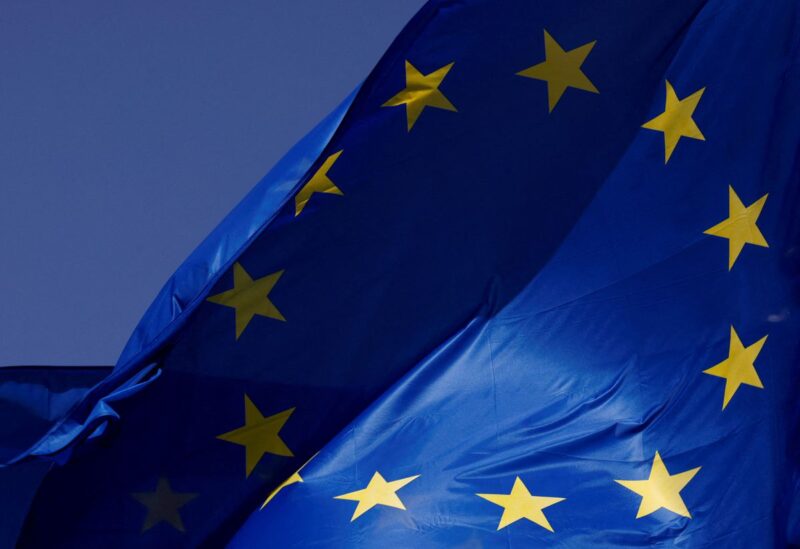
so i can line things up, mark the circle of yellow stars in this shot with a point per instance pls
(250, 297)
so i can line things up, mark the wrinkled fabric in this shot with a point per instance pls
(497, 291)
(32, 398)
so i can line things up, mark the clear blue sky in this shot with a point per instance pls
(128, 130)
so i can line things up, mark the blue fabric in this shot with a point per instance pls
(501, 292)
(31, 399)
(185, 290)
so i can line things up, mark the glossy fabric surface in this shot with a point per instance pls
(517, 287)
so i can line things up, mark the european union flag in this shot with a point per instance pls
(534, 283)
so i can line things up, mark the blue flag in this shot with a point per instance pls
(535, 282)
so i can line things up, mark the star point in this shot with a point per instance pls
(521, 504)
(259, 435)
(740, 228)
(377, 492)
(661, 490)
(163, 505)
(249, 297)
(561, 70)
(295, 478)
(319, 183)
(422, 90)
(676, 121)
(739, 368)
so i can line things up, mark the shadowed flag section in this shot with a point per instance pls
(502, 317)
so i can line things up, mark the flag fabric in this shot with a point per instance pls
(535, 282)
(31, 399)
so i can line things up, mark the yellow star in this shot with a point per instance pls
(163, 505)
(319, 183)
(740, 228)
(422, 90)
(259, 435)
(661, 490)
(377, 492)
(561, 69)
(294, 479)
(249, 297)
(676, 121)
(520, 504)
(739, 368)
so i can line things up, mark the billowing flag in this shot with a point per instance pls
(535, 282)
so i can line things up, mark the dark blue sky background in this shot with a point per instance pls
(128, 130)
